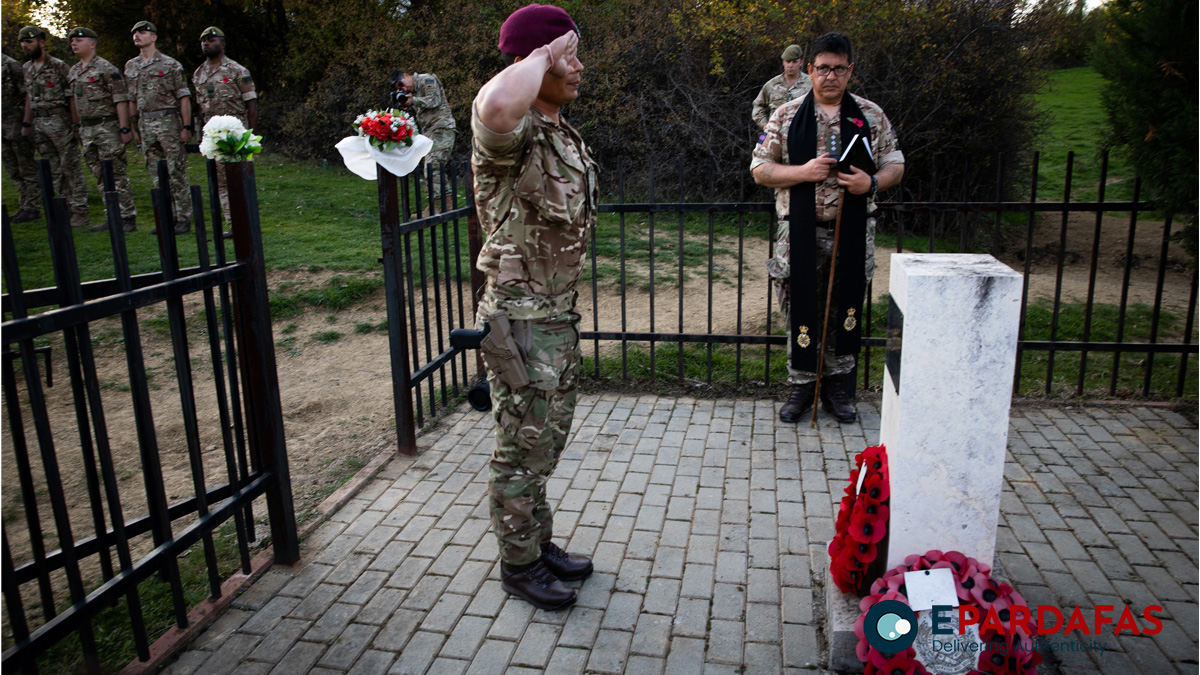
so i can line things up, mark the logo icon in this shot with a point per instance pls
(890, 626)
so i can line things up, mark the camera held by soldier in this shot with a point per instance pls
(399, 95)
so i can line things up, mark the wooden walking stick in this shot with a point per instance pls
(837, 231)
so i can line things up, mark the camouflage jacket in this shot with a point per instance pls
(47, 85)
(774, 149)
(430, 105)
(12, 98)
(536, 194)
(155, 84)
(775, 93)
(98, 88)
(223, 89)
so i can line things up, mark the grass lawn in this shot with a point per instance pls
(1074, 119)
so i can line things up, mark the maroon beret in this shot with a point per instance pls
(533, 26)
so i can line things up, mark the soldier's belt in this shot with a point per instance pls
(158, 113)
(56, 111)
(93, 121)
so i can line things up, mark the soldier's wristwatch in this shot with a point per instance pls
(189, 127)
(874, 187)
(126, 130)
(26, 124)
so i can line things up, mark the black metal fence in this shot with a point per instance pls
(76, 502)
(682, 282)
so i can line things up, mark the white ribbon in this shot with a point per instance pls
(361, 157)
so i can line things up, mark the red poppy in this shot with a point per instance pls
(49, 83)
(92, 78)
(857, 122)
(225, 80)
(161, 73)
(876, 487)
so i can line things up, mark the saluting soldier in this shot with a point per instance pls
(792, 83)
(223, 87)
(48, 120)
(536, 191)
(100, 107)
(429, 105)
(159, 97)
(18, 149)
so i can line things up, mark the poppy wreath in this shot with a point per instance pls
(861, 524)
(1009, 649)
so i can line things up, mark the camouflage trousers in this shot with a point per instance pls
(160, 140)
(435, 163)
(532, 424)
(56, 143)
(834, 364)
(22, 168)
(103, 141)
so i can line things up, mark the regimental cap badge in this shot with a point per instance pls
(144, 25)
(81, 31)
(850, 321)
(212, 31)
(802, 339)
(31, 33)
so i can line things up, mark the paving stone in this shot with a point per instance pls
(691, 619)
(418, 654)
(329, 625)
(299, 659)
(350, 645)
(398, 629)
(466, 637)
(280, 640)
(536, 645)
(581, 627)
(800, 646)
(568, 660)
(372, 662)
(686, 656)
(492, 658)
(510, 623)
(610, 652)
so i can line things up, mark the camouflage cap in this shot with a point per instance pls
(81, 31)
(212, 31)
(31, 33)
(144, 25)
(792, 53)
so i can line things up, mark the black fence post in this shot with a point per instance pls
(389, 231)
(256, 345)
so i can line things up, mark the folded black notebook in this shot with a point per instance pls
(858, 153)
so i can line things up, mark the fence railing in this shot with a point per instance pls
(59, 573)
(682, 282)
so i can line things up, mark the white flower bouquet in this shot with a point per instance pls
(227, 140)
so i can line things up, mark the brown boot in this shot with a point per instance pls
(836, 401)
(798, 403)
(565, 566)
(79, 220)
(537, 585)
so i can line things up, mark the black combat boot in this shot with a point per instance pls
(182, 226)
(836, 401)
(25, 215)
(128, 224)
(537, 585)
(565, 566)
(798, 403)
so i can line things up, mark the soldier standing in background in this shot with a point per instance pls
(223, 87)
(100, 108)
(159, 95)
(536, 193)
(791, 84)
(428, 103)
(48, 120)
(18, 150)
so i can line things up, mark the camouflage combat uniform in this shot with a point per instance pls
(18, 149)
(98, 88)
(223, 90)
(774, 148)
(536, 194)
(49, 94)
(775, 93)
(434, 120)
(156, 85)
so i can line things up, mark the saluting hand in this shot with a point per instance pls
(562, 53)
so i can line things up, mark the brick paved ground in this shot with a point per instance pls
(703, 518)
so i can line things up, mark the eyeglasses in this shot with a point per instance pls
(824, 70)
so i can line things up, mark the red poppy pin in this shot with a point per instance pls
(49, 83)
(160, 74)
(92, 79)
(857, 122)
(225, 80)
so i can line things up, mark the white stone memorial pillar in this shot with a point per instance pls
(946, 397)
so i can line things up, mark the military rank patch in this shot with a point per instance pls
(247, 79)
(850, 321)
(802, 339)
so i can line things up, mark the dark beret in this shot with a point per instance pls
(82, 32)
(31, 33)
(144, 25)
(533, 26)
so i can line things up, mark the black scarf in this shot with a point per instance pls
(849, 284)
